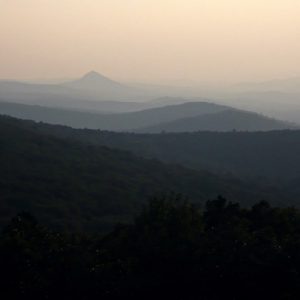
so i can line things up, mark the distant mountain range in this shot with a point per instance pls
(96, 93)
(93, 92)
(85, 93)
(189, 117)
(282, 105)
(288, 85)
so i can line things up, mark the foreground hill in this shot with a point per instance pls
(191, 116)
(78, 186)
(226, 120)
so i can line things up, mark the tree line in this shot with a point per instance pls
(172, 250)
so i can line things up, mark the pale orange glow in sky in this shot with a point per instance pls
(150, 40)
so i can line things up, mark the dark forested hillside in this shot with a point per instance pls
(271, 155)
(77, 186)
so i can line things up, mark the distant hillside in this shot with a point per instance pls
(117, 122)
(94, 81)
(97, 85)
(79, 186)
(289, 85)
(73, 118)
(191, 116)
(281, 105)
(42, 94)
(226, 120)
(86, 93)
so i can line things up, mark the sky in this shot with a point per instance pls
(151, 40)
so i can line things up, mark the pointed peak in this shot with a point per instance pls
(92, 75)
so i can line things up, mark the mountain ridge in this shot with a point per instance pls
(149, 119)
(226, 120)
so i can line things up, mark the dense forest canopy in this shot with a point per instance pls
(173, 250)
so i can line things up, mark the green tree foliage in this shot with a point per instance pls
(173, 250)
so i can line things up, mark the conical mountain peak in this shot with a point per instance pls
(93, 75)
(101, 86)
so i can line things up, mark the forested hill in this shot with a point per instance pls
(273, 155)
(227, 120)
(72, 185)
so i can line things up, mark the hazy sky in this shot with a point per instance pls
(150, 40)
